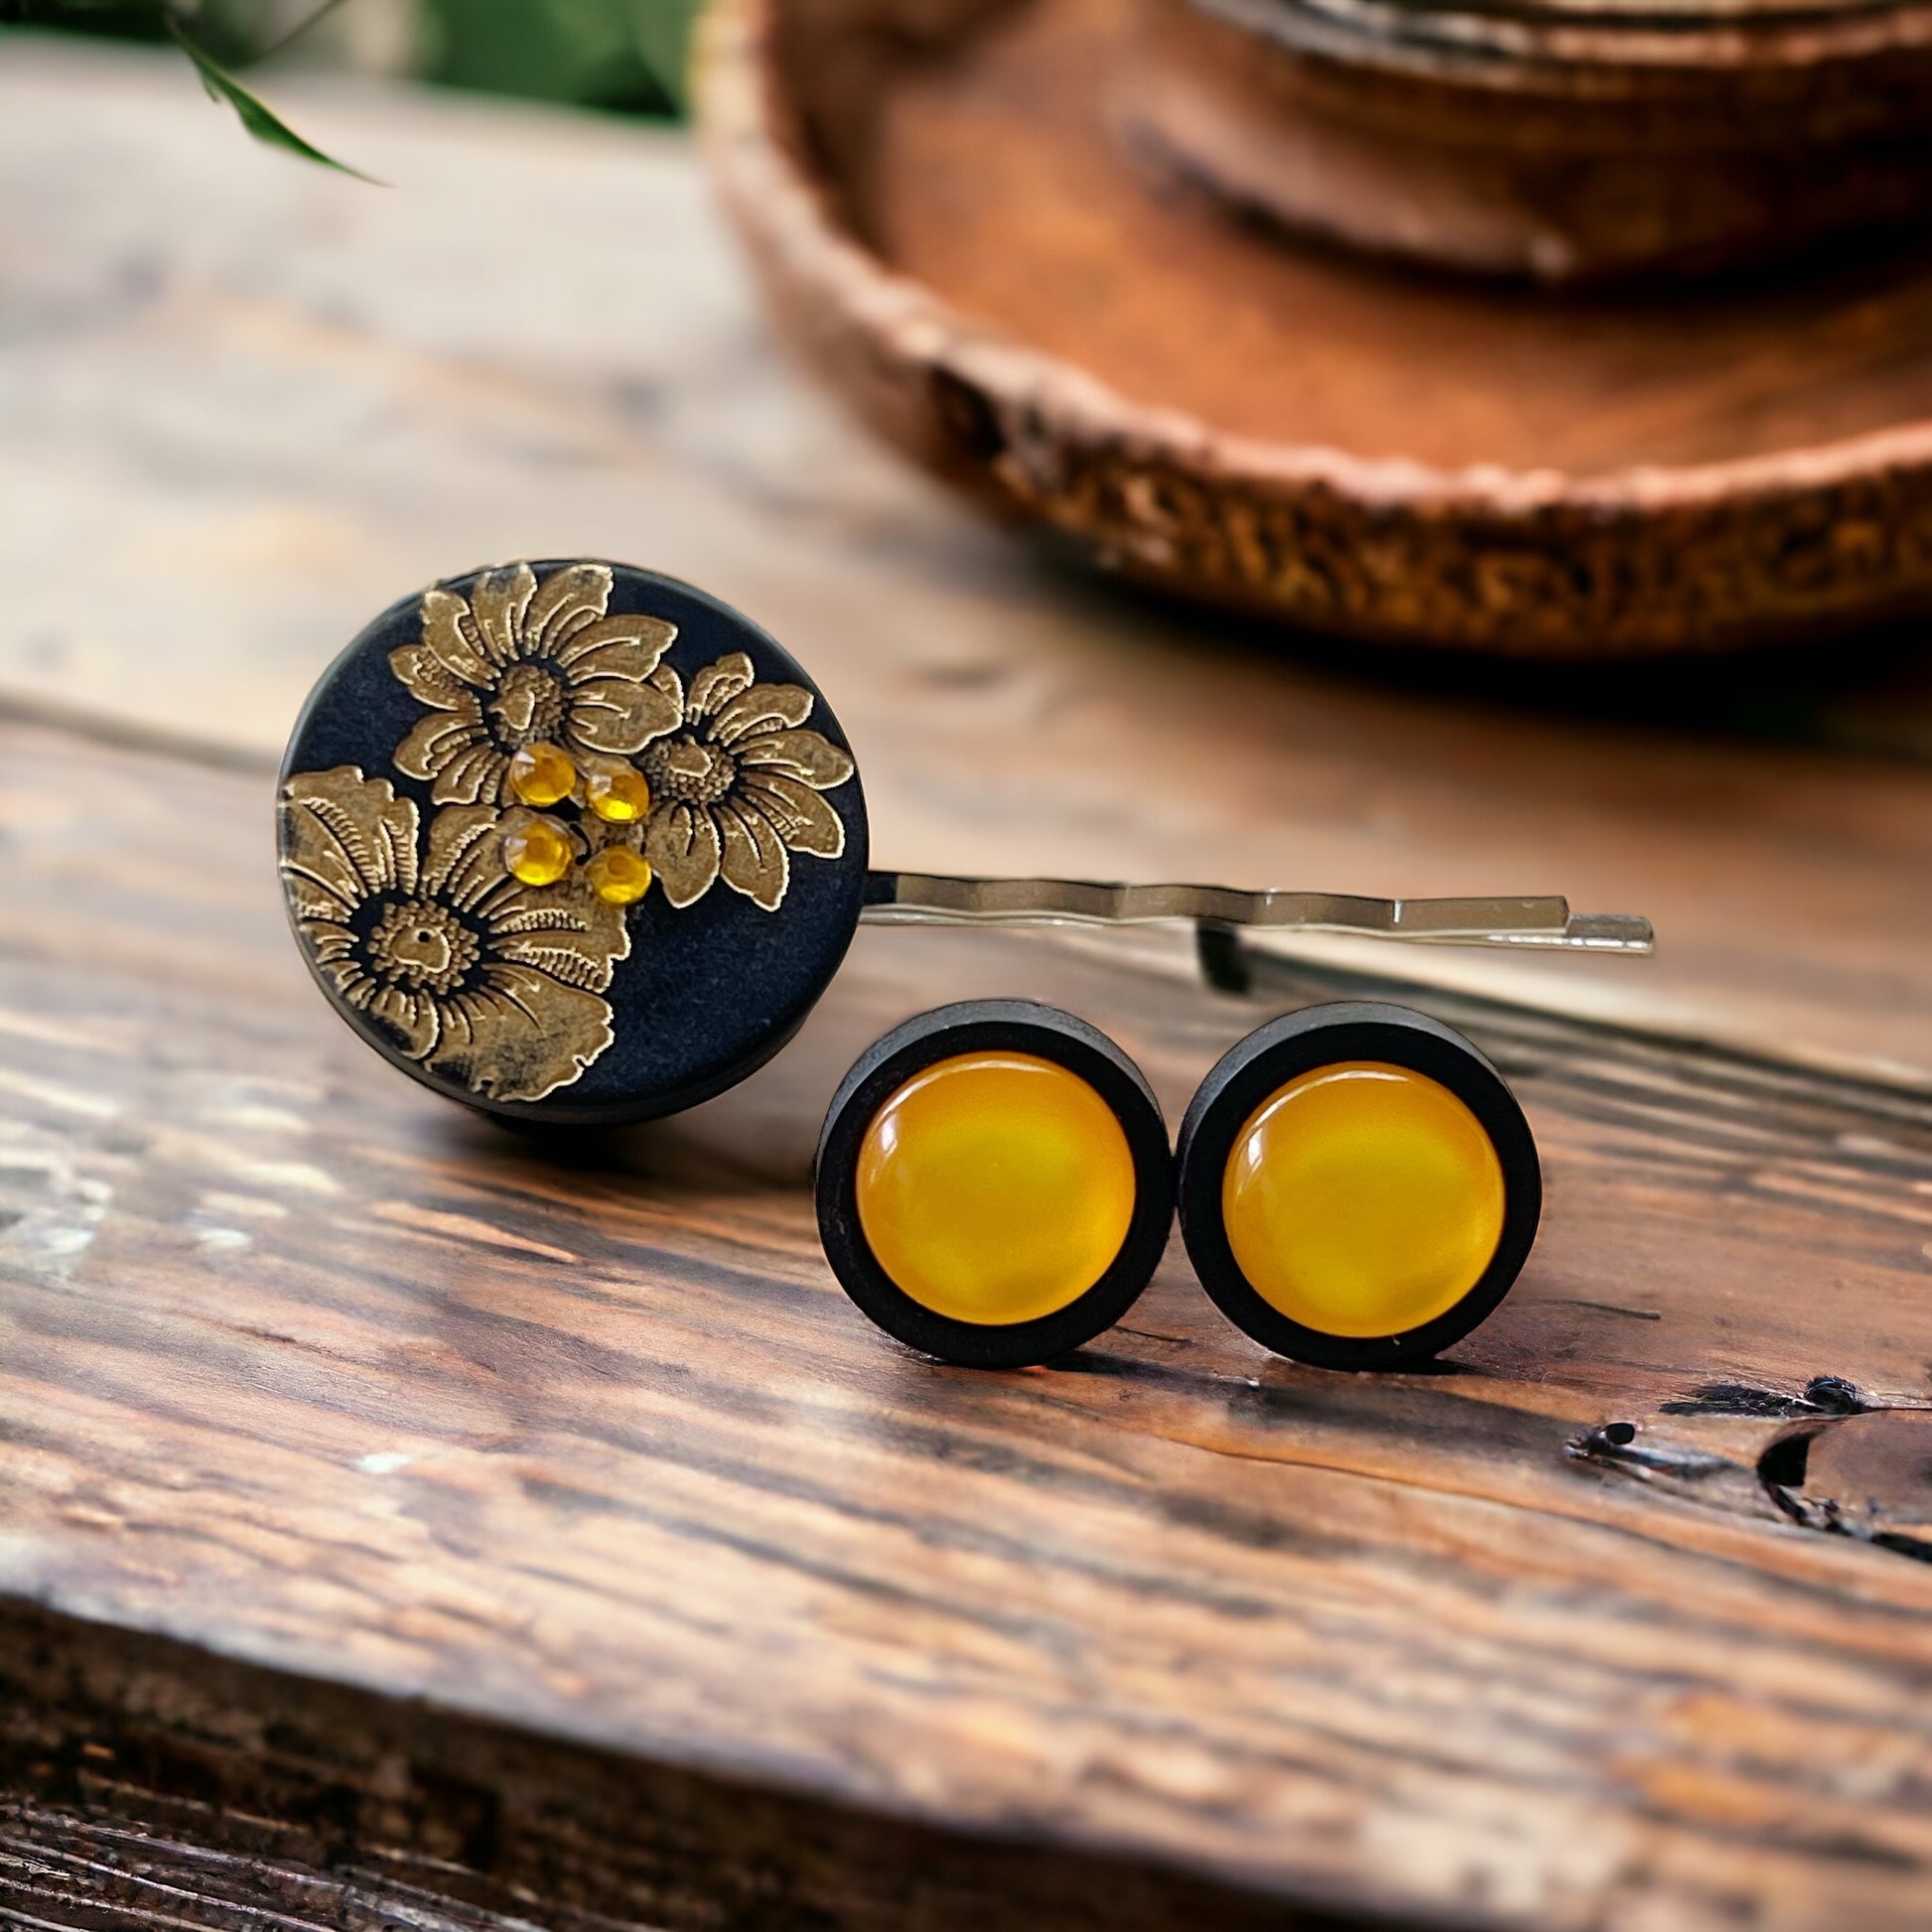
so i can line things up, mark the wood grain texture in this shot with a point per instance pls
(302, 1367)
(244, 415)
(156, 1787)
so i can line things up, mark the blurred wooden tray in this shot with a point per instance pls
(944, 220)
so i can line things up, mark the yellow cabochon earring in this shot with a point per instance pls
(1358, 1185)
(995, 1184)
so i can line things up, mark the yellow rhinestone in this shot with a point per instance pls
(618, 795)
(618, 876)
(542, 775)
(537, 851)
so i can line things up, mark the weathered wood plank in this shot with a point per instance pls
(249, 407)
(173, 1789)
(301, 1366)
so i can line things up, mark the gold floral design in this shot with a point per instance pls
(736, 784)
(519, 662)
(472, 975)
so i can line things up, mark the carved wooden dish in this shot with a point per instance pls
(937, 200)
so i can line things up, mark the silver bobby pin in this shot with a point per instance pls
(1546, 922)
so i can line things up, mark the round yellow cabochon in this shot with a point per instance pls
(994, 1187)
(1362, 1199)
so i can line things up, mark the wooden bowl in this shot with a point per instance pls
(1562, 140)
(934, 197)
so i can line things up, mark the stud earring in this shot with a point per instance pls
(993, 1184)
(574, 843)
(1358, 1187)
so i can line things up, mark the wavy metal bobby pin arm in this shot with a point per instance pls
(910, 898)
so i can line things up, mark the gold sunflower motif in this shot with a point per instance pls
(519, 662)
(736, 787)
(472, 974)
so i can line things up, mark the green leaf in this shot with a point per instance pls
(622, 55)
(256, 117)
(662, 31)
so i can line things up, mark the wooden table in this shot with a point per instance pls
(404, 1524)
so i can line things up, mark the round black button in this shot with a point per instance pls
(571, 842)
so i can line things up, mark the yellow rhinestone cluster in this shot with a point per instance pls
(540, 850)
